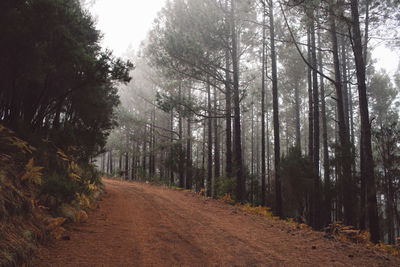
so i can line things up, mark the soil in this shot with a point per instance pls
(138, 224)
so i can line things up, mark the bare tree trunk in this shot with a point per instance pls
(110, 158)
(252, 137)
(237, 159)
(368, 163)
(268, 154)
(345, 83)
(172, 179)
(310, 99)
(209, 139)
(297, 107)
(180, 147)
(263, 112)
(228, 107)
(287, 132)
(120, 162)
(189, 164)
(144, 150)
(108, 163)
(345, 176)
(317, 191)
(203, 166)
(126, 165)
(277, 153)
(327, 181)
(217, 172)
(363, 187)
(366, 32)
(258, 140)
(389, 207)
(153, 144)
(133, 167)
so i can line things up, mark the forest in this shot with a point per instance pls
(272, 103)
(239, 133)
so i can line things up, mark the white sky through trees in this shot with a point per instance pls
(125, 23)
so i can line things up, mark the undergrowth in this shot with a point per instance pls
(38, 183)
(336, 229)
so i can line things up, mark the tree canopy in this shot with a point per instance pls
(55, 80)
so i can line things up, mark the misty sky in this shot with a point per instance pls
(125, 24)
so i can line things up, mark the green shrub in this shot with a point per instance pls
(297, 177)
(226, 185)
(59, 186)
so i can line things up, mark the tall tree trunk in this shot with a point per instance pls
(310, 99)
(144, 150)
(317, 193)
(153, 143)
(189, 164)
(327, 181)
(120, 162)
(345, 83)
(126, 165)
(180, 146)
(315, 104)
(252, 137)
(297, 107)
(277, 153)
(258, 140)
(389, 207)
(209, 139)
(217, 172)
(228, 107)
(263, 112)
(268, 153)
(203, 162)
(363, 187)
(352, 140)
(133, 166)
(345, 176)
(237, 155)
(228, 129)
(366, 32)
(366, 148)
(111, 161)
(172, 179)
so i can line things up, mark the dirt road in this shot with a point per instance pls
(139, 224)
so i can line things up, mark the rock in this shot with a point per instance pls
(81, 216)
(58, 233)
(54, 223)
(68, 211)
(314, 247)
(96, 194)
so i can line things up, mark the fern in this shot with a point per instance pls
(74, 177)
(61, 155)
(32, 174)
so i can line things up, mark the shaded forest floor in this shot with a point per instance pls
(137, 224)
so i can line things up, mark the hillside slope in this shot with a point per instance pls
(139, 224)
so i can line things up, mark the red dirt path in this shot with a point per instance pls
(139, 224)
